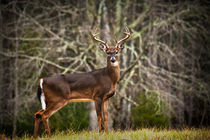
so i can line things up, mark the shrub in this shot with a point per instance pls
(150, 112)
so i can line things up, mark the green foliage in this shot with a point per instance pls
(150, 112)
(74, 116)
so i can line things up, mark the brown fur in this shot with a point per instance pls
(98, 86)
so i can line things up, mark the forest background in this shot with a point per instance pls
(165, 65)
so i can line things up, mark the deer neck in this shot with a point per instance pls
(113, 70)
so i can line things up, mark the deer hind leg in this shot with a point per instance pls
(105, 114)
(44, 115)
(38, 117)
(49, 112)
(98, 106)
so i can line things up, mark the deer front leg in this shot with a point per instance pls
(98, 106)
(105, 115)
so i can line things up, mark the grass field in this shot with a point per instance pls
(142, 134)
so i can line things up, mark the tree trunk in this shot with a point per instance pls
(1, 67)
(92, 117)
(15, 107)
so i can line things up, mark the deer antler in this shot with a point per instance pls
(102, 42)
(128, 34)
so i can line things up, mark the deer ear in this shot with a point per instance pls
(120, 46)
(103, 47)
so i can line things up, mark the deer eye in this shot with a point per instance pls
(116, 52)
(108, 53)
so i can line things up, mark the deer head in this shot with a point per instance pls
(112, 52)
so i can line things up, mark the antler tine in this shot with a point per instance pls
(94, 36)
(128, 34)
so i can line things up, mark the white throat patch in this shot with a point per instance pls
(114, 64)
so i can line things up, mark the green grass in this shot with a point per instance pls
(141, 134)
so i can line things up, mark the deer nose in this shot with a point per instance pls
(112, 59)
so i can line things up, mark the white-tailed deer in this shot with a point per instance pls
(98, 86)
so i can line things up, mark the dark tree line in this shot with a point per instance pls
(164, 66)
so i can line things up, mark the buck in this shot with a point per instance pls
(97, 86)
